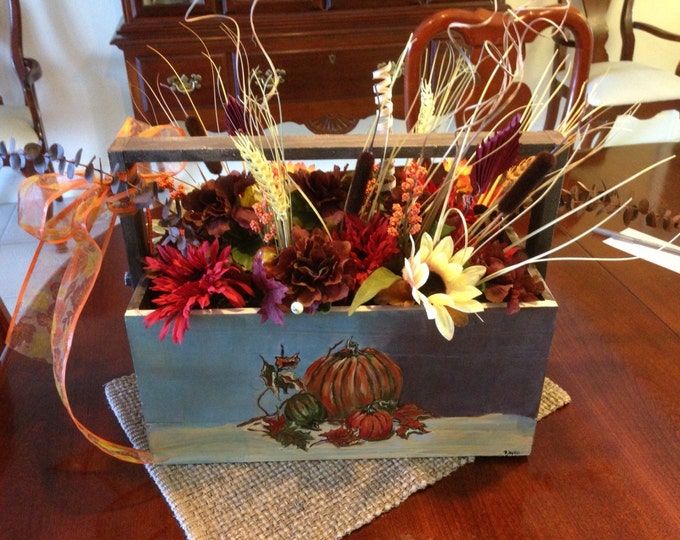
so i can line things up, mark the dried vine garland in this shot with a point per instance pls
(30, 159)
(579, 195)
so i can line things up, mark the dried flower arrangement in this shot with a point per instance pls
(288, 238)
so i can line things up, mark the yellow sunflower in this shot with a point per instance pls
(448, 283)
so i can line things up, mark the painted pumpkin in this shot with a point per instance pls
(305, 410)
(352, 378)
(371, 424)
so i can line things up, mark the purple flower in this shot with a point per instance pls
(273, 292)
(495, 155)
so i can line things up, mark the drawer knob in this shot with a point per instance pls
(184, 84)
(266, 79)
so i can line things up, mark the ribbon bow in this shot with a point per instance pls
(57, 286)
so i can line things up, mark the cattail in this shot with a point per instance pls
(193, 126)
(357, 189)
(195, 129)
(529, 180)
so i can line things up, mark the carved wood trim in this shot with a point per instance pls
(333, 125)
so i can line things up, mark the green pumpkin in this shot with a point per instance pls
(305, 410)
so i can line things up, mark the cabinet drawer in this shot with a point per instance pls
(289, 6)
(327, 48)
(159, 84)
(330, 73)
(275, 6)
(387, 4)
(329, 83)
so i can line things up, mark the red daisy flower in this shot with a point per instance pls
(372, 245)
(194, 280)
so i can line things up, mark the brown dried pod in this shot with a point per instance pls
(566, 199)
(643, 206)
(592, 205)
(627, 215)
(650, 219)
(666, 221)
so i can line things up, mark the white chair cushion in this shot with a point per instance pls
(664, 127)
(625, 83)
(15, 122)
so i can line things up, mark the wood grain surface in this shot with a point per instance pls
(605, 466)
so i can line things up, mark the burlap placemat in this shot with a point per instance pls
(284, 500)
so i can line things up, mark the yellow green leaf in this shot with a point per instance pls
(380, 279)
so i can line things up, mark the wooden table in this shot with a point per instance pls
(605, 466)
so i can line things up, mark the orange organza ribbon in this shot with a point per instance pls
(57, 285)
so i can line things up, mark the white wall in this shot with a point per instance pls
(83, 92)
(656, 52)
(665, 14)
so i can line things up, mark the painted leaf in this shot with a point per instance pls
(409, 412)
(268, 374)
(286, 380)
(341, 437)
(407, 429)
(291, 436)
(287, 362)
(275, 424)
(409, 418)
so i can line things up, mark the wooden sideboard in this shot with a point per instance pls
(327, 51)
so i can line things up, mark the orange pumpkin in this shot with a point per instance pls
(351, 378)
(371, 424)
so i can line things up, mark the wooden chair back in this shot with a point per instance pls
(28, 70)
(628, 25)
(596, 13)
(481, 27)
(4, 325)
